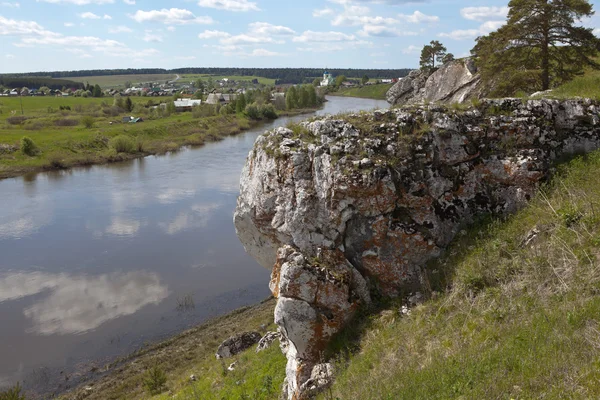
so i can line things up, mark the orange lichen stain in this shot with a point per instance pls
(275, 277)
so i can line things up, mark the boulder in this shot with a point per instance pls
(267, 340)
(238, 343)
(455, 81)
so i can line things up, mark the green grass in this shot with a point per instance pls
(113, 81)
(376, 92)
(64, 140)
(506, 319)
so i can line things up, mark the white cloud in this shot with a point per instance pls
(311, 36)
(130, 2)
(330, 47)
(264, 28)
(213, 34)
(465, 34)
(10, 5)
(596, 31)
(150, 36)
(171, 28)
(69, 24)
(411, 49)
(185, 58)
(384, 31)
(89, 15)
(356, 20)
(417, 17)
(120, 29)
(230, 5)
(173, 16)
(10, 56)
(249, 39)
(106, 16)
(79, 53)
(21, 28)
(79, 2)
(483, 13)
(322, 13)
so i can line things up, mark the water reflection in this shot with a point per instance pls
(196, 218)
(123, 227)
(77, 304)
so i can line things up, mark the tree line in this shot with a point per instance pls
(37, 82)
(281, 75)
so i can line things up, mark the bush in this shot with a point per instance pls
(155, 380)
(66, 122)
(252, 111)
(88, 121)
(28, 147)
(123, 144)
(268, 111)
(14, 393)
(16, 119)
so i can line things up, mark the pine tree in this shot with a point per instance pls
(240, 104)
(129, 104)
(541, 45)
(432, 52)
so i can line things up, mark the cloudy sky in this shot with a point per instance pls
(84, 34)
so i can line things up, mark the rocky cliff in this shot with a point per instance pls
(455, 81)
(345, 207)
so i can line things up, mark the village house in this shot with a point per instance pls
(186, 104)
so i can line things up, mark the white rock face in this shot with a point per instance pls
(455, 81)
(341, 209)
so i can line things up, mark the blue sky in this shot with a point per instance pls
(84, 34)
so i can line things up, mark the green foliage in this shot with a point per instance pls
(155, 380)
(240, 103)
(339, 80)
(252, 111)
(97, 91)
(268, 111)
(541, 46)
(28, 147)
(364, 79)
(291, 98)
(128, 104)
(432, 52)
(13, 393)
(88, 121)
(123, 144)
(447, 58)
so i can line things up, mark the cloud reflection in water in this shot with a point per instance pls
(77, 304)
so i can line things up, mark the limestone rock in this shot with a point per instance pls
(455, 81)
(267, 340)
(238, 343)
(321, 377)
(351, 208)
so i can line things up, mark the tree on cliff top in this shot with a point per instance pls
(540, 46)
(432, 52)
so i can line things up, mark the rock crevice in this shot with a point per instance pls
(340, 207)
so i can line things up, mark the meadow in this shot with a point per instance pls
(376, 92)
(114, 81)
(70, 131)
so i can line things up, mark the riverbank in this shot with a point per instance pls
(375, 92)
(75, 132)
(193, 353)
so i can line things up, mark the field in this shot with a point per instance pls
(82, 132)
(376, 92)
(113, 81)
(194, 77)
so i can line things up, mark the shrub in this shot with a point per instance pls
(155, 380)
(13, 393)
(252, 111)
(28, 147)
(123, 144)
(88, 121)
(16, 119)
(268, 111)
(66, 122)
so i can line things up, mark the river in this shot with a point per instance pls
(96, 261)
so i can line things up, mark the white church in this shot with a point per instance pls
(327, 79)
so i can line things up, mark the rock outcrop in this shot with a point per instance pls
(341, 208)
(455, 81)
(237, 343)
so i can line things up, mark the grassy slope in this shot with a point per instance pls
(194, 77)
(506, 320)
(376, 92)
(65, 146)
(257, 376)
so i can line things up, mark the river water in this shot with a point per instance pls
(96, 261)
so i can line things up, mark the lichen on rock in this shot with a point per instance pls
(342, 207)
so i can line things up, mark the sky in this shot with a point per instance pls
(55, 35)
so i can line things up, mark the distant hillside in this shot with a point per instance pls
(281, 75)
(35, 82)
